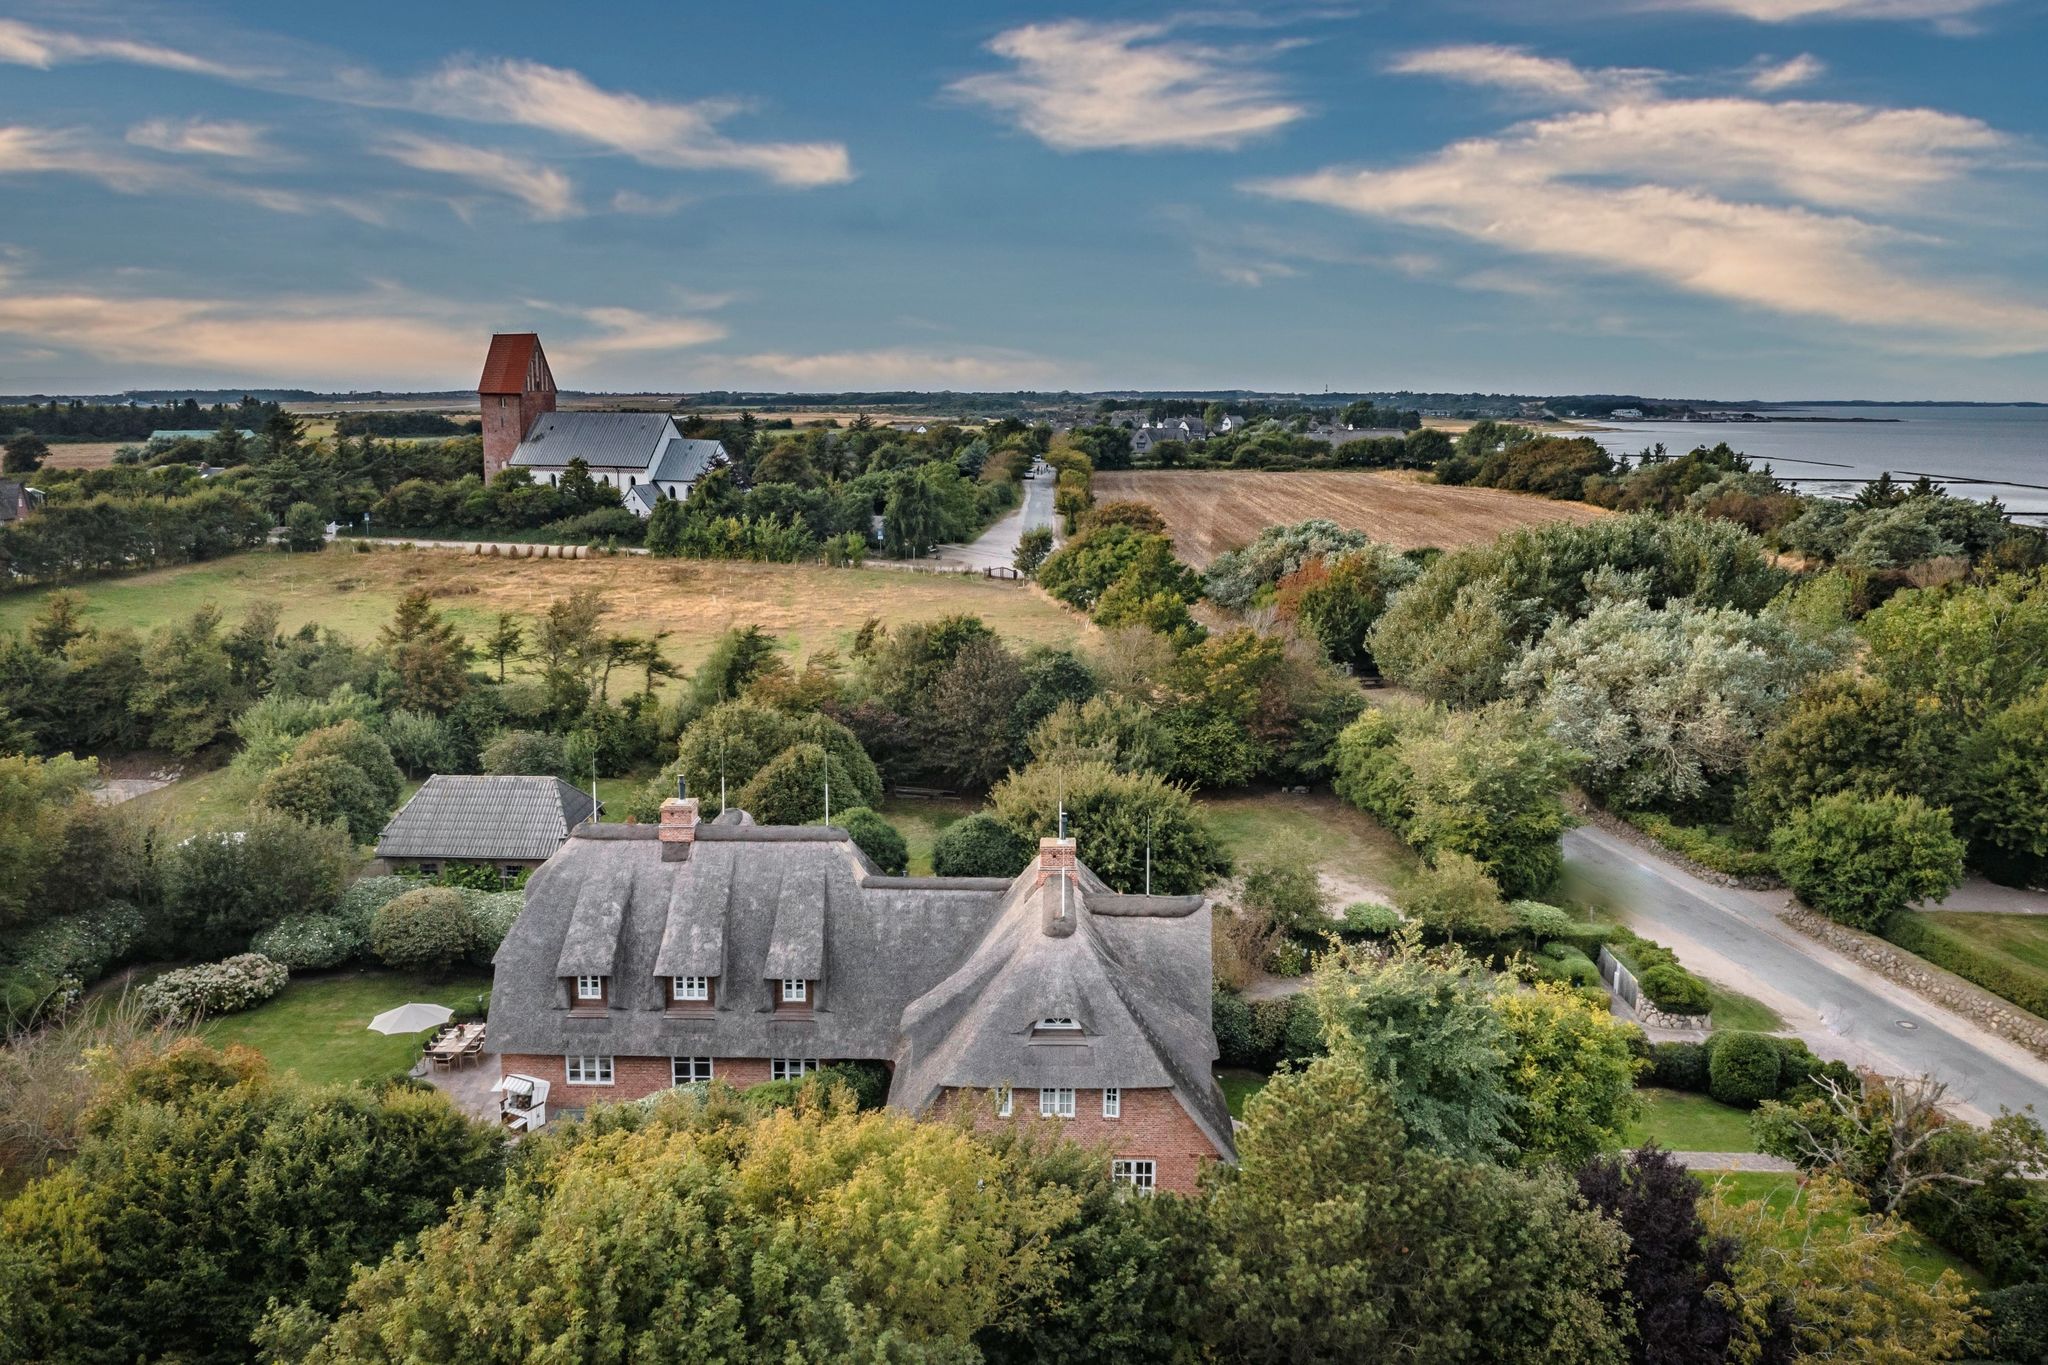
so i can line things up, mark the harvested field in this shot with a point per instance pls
(806, 607)
(1210, 511)
(83, 454)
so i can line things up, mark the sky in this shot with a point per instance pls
(1766, 199)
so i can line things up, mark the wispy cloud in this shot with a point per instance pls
(653, 132)
(1796, 11)
(24, 44)
(546, 192)
(1771, 77)
(69, 151)
(1077, 85)
(230, 138)
(1802, 208)
(885, 368)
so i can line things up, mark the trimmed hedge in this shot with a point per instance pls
(979, 845)
(428, 930)
(1675, 990)
(1704, 846)
(877, 838)
(1921, 935)
(191, 993)
(1679, 1066)
(1743, 1069)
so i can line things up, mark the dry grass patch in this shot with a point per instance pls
(1210, 511)
(84, 454)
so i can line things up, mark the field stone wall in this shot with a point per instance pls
(1923, 978)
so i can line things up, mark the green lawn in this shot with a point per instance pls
(2005, 954)
(1353, 850)
(1922, 1259)
(1680, 1122)
(1239, 1086)
(1733, 1009)
(919, 822)
(319, 1028)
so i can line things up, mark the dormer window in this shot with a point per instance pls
(1057, 1026)
(589, 994)
(690, 990)
(795, 991)
(590, 988)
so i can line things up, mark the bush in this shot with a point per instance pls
(525, 753)
(222, 887)
(1743, 1068)
(1457, 900)
(362, 899)
(980, 846)
(1368, 919)
(790, 790)
(427, 930)
(192, 993)
(2017, 1323)
(1542, 922)
(1679, 1066)
(311, 942)
(323, 791)
(1706, 847)
(1562, 962)
(869, 1081)
(1675, 990)
(355, 744)
(490, 918)
(1112, 817)
(1859, 859)
(878, 839)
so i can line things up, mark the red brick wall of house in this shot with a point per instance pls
(633, 1078)
(1153, 1126)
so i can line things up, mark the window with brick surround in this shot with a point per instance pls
(588, 1070)
(1112, 1103)
(1057, 1103)
(689, 1070)
(590, 988)
(691, 989)
(1139, 1175)
(1006, 1102)
(790, 1068)
(795, 991)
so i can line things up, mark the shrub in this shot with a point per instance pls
(1675, 990)
(222, 887)
(1706, 847)
(360, 747)
(1742, 1068)
(2017, 1323)
(1368, 919)
(524, 753)
(490, 918)
(1859, 859)
(1112, 817)
(1679, 1066)
(791, 789)
(1945, 946)
(1457, 900)
(1561, 961)
(311, 942)
(869, 1081)
(362, 899)
(192, 993)
(1230, 1014)
(865, 779)
(1542, 922)
(878, 839)
(426, 930)
(980, 846)
(323, 791)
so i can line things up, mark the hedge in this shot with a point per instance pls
(1704, 846)
(1675, 990)
(1679, 1066)
(310, 942)
(1743, 1068)
(191, 993)
(1921, 935)
(1261, 1034)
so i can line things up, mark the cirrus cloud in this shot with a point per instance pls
(546, 192)
(231, 138)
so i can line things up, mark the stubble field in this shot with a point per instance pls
(1209, 511)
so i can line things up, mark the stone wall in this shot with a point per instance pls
(1923, 978)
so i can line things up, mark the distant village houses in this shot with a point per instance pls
(642, 454)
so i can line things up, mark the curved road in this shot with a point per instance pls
(1839, 1007)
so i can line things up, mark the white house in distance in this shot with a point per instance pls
(642, 454)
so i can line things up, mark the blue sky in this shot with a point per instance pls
(1770, 198)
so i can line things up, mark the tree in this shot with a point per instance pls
(962, 730)
(362, 749)
(1572, 1068)
(188, 695)
(570, 650)
(1456, 898)
(1421, 1026)
(426, 655)
(24, 454)
(1032, 548)
(203, 1190)
(1677, 1275)
(506, 639)
(321, 791)
(525, 753)
(1238, 577)
(1112, 818)
(875, 837)
(1336, 1241)
(709, 1230)
(59, 623)
(739, 657)
(222, 886)
(725, 746)
(36, 796)
(420, 744)
(1820, 1280)
(792, 788)
(2006, 785)
(1860, 859)
(664, 536)
(979, 845)
(1337, 600)
(427, 930)
(911, 518)
(305, 529)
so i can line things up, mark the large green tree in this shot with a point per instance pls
(428, 659)
(1859, 859)
(1113, 818)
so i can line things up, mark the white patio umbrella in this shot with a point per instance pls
(413, 1018)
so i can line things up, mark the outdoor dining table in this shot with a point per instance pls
(451, 1048)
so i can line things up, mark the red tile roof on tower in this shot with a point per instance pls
(505, 368)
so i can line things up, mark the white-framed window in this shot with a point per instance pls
(1059, 1023)
(1112, 1103)
(1006, 1102)
(590, 988)
(790, 1068)
(589, 1070)
(795, 990)
(1057, 1103)
(691, 987)
(1140, 1175)
(689, 1070)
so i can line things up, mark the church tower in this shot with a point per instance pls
(515, 390)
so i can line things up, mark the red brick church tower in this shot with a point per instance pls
(515, 390)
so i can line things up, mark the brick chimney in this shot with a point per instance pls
(1059, 907)
(678, 826)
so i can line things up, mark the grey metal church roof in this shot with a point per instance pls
(944, 976)
(686, 460)
(602, 440)
(485, 819)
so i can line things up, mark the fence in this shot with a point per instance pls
(1619, 979)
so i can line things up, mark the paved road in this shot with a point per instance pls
(997, 546)
(1841, 1009)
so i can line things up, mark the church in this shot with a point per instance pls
(642, 454)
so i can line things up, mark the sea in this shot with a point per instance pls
(1975, 452)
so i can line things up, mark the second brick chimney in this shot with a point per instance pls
(678, 828)
(1058, 905)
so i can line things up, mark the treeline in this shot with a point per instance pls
(81, 421)
(390, 424)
